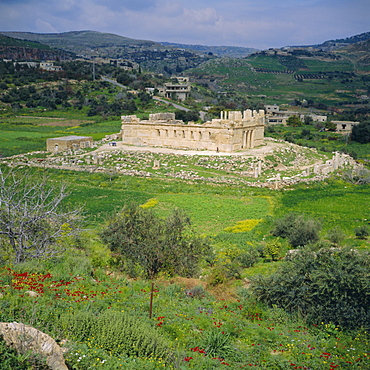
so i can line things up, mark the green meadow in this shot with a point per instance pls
(214, 209)
(207, 322)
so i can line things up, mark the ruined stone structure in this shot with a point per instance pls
(59, 144)
(231, 132)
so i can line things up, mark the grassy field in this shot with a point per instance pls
(26, 134)
(201, 325)
(214, 209)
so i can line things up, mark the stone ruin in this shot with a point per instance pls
(231, 132)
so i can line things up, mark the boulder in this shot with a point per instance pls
(25, 338)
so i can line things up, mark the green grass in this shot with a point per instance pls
(335, 204)
(22, 135)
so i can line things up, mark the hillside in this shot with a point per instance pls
(91, 44)
(80, 42)
(222, 51)
(16, 49)
(282, 77)
(338, 43)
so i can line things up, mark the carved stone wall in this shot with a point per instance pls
(233, 131)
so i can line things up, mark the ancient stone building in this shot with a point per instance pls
(59, 144)
(231, 132)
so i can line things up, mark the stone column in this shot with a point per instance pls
(252, 139)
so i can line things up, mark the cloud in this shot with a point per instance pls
(248, 23)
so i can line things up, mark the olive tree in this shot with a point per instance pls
(156, 244)
(32, 220)
(297, 229)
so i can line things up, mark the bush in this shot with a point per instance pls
(115, 332)
(336, 236)
(362, 232)
(298, 230)
(326, 286)
(248, 259)
(272, 250)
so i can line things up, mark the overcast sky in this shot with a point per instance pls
(250, 23)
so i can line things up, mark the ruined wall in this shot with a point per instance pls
(231, 132)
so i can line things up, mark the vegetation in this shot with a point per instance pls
(30, 216)
(298, 230)
(223, 289)
(154, 244)
(326, 286)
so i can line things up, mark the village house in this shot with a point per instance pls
(345, 126)
(179, 89)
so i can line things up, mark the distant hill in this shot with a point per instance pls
(16, 49)
(92, 44)
(81, 42)
(222, 51)
(339, 43)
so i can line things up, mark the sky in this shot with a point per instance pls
(259, 24)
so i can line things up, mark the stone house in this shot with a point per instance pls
(231, 132)
(73, 142)
(345, 126)
(49, 66)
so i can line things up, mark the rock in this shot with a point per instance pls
(31, 293)
(25, 338)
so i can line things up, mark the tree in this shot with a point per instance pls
(308, 120)
(31, 218)
(330, 126)
(297, 229)
(361, 133)
(155, 244)
(294, 121)
(324, 286)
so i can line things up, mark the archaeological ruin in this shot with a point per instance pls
(231, 132)
(58, 144)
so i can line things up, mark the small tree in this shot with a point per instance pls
(297, 229)
(361, 132)
(336, 236)
(155, 244)
(294, 121)
(31, 218)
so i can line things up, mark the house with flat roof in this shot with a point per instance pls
(73, 142)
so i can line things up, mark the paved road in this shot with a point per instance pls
(114, 82)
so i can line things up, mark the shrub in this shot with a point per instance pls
(298, 230)
(115, 332)
(326, 286)
(248, 259)
(217, 344)
(272, 250)
(362, 232)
